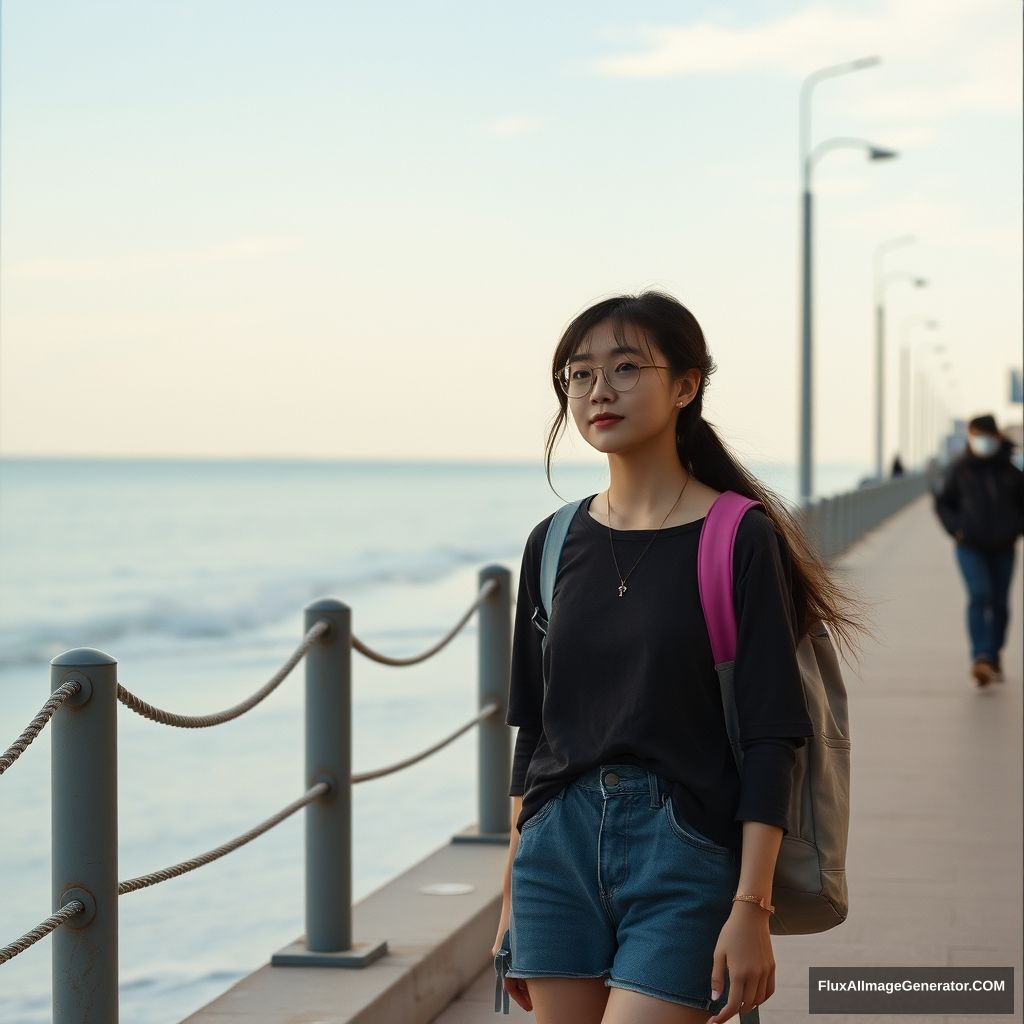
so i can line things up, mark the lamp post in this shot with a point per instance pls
(924, 402)
(880, 285)
(908, 324)
(940, 407)
(919, 282)
(807, 159)
(933, 411)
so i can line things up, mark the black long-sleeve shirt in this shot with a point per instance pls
(632, 679)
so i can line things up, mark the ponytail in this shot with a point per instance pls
(815, 595)
(675, 330)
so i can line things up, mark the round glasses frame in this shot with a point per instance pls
(567, 384)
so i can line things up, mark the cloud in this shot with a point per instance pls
(707, 48)
(939, 58)
(507, 127)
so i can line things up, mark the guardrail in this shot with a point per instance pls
(83, 713)
(837, 522)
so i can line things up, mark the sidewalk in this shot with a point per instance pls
(935, 856)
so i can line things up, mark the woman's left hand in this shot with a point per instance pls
(744, 949)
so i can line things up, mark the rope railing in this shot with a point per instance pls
(485, 712)
(165, 874)
(70, 909)
(84, 791)
(155, 714)
(36, 726)
(384, 659)
(52, 923)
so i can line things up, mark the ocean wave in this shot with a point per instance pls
(214, 609)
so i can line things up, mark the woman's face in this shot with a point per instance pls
(644, 412)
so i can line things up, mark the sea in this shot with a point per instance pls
(193, 574)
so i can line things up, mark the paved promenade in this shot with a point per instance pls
(935, 856)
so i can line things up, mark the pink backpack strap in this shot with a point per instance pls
(714, 571)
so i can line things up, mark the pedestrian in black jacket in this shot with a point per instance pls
(981, 505)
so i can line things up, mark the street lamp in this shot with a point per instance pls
(880, 286)
(807, 160)
(880, 251)
(924, 401)
(908, 324)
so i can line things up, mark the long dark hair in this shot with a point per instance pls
(675, 330)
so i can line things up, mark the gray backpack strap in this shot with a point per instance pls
(550, 555)
(729, 709)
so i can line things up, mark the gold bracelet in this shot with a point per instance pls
(759, 900)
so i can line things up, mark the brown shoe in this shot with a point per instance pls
(983, 672)
(997, 671)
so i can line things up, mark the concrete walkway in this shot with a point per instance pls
(935, 856)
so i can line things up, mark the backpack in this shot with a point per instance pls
(809, 884)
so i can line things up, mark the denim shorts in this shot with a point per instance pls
(607, 880)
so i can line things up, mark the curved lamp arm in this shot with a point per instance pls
(843, 142)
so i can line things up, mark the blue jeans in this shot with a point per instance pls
(987, 575)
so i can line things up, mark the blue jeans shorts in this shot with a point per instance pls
(607, 881)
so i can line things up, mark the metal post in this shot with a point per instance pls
(493, 747)
(806, 424)
(930, 418)
(918, 413)
(905, 406)
(328, 939)
(83, 803)
(879, 390)
(329, 759)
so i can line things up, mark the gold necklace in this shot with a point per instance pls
(622, 579)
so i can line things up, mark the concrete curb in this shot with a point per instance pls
(437, 945)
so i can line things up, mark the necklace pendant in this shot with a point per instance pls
(622, 589)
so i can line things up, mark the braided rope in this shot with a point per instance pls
(52, 923)
(164, 874)
(485, 712)
(35, 727)
(384, 659)
(140, 707)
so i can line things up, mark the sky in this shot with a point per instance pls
(243, 228)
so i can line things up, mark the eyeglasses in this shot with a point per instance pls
(578, 381)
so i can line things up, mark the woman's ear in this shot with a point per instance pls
(689, 383)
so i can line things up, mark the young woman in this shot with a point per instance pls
(640, 866)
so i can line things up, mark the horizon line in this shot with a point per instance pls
(369, 460)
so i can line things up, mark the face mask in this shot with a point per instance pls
(983, 445)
